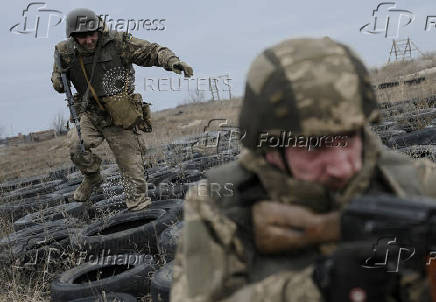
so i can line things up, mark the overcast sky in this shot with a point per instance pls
(215, 37)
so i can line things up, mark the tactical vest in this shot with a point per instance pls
(109, 61)
(394, 175)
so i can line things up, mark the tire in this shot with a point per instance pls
(75, 181)
(67, 190)
(119, 274)
(161, 283)
(173, 208)
(421, 137)
(16, 209)
(109, 297)
(62, 173)
(22, 182)
(166, 190)
(113, 179)
(113, 204)
(160, 176)
(168, 241)
(420, 151)
(73, 209)
(32, 191)
(26, 243)
(187, 176)
(111, 190)
(125, 232)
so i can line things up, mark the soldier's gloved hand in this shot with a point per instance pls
(179, 66)
(279, 227)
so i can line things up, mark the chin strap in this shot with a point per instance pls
(282, 152)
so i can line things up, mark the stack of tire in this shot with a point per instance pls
(103, 251)
(121, 254)
(409, 127)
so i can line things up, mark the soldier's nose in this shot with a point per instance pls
(340, 169)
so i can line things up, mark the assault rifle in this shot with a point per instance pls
(383, 238)
(70, 99)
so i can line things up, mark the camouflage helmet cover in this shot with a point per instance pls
(310, 87)
(82, 20)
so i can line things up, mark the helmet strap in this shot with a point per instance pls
(282, 152)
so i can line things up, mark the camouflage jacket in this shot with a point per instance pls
(129, 50)
(217, 258)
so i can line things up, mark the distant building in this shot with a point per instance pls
(38, 136)
(41, 136)
(16, 140)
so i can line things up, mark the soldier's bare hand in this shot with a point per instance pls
(279, 227)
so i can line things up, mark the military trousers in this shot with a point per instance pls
(127, 147)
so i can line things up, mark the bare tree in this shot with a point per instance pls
(59, 123)
(2, 131)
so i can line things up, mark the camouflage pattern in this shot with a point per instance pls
(214, 262)
(117, 50)
(130, 50)
(310, 87)
(82, 20)
(91, 182)
(127, 147)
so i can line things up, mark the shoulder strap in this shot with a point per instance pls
(89, 83)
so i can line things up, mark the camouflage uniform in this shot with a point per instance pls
(217, 259)
(118, 51)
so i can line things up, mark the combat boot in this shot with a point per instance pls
(89, 183)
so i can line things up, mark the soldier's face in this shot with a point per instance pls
(87, 40)
(329, 166)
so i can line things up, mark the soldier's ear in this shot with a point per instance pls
(274, 158)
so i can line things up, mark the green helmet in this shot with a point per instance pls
(82, 20)
(306, 87)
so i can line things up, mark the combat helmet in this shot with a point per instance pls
(307, 87)
(83, 20)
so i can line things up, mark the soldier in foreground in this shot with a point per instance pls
(99, 62)
(308, 152)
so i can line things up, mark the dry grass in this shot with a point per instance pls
(39, 158)
(405, 70)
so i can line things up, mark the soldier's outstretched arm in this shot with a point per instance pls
(209, 264)
(147, 54)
